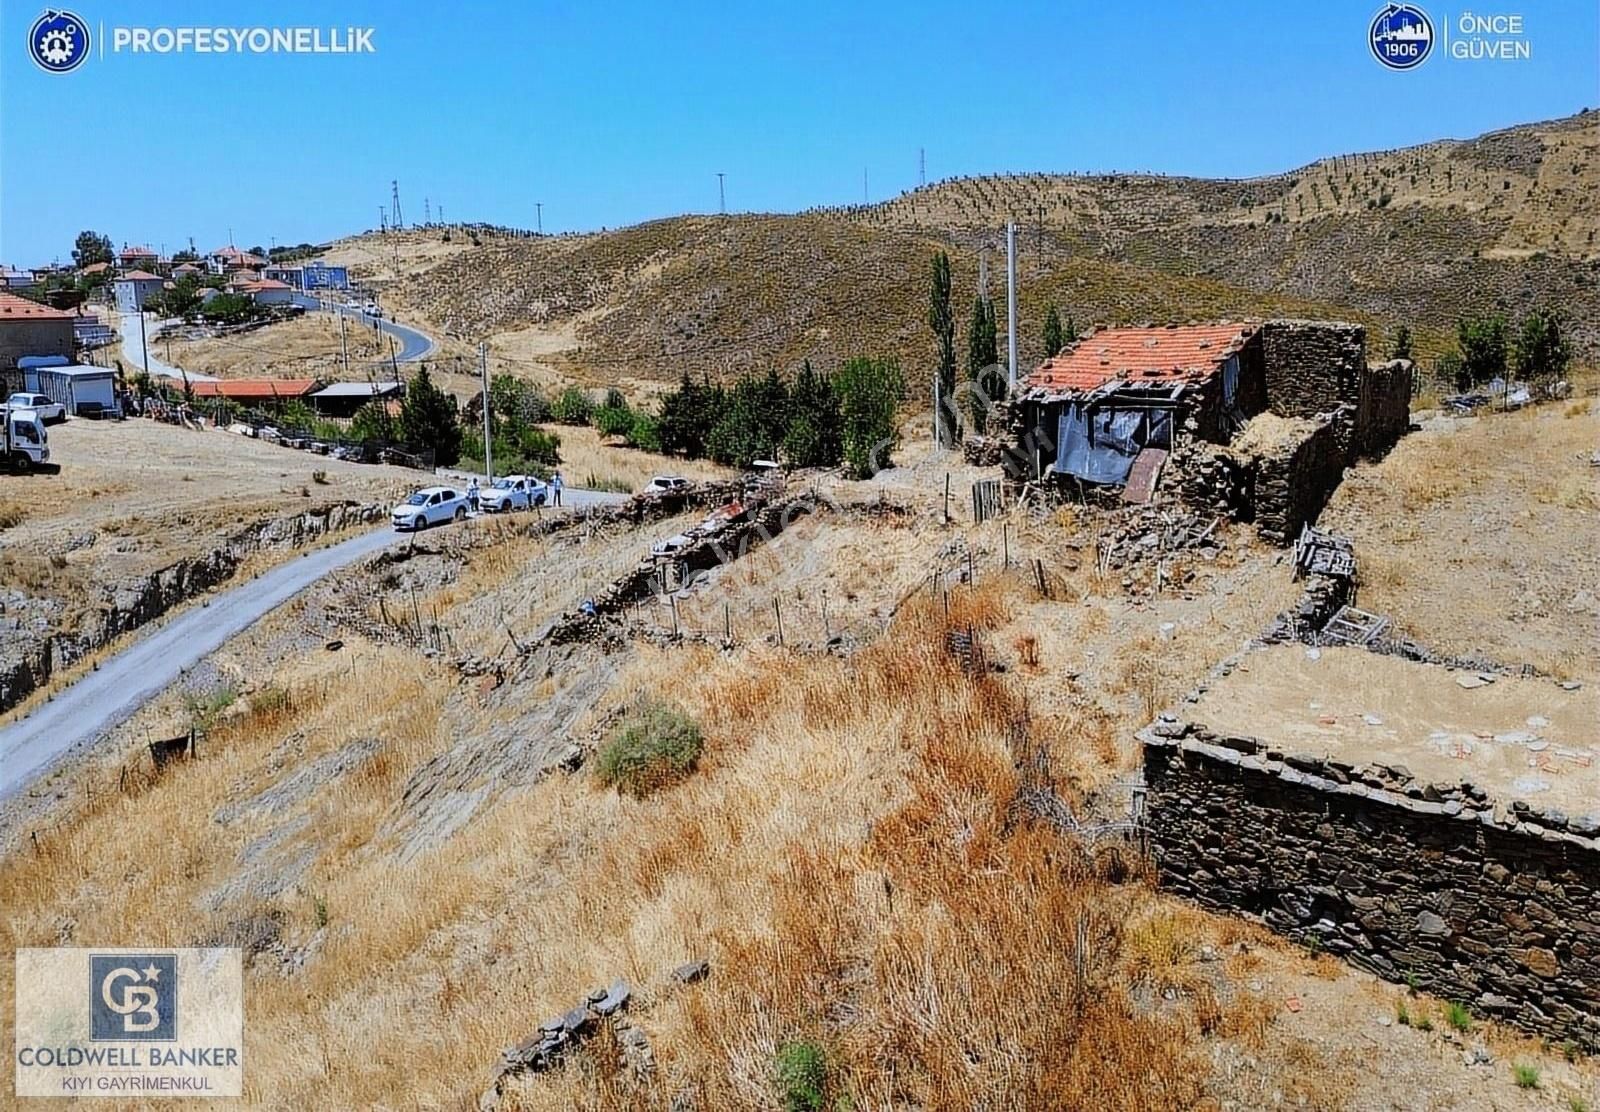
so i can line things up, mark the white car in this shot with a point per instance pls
(430, 506)
(663, 483)
(513, 492)
(47, 410)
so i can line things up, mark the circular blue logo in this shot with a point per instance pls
(58, 42)
(1401, 36)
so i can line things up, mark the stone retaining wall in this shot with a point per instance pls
(1292, 485)
(1383, 411)
(1415, 883)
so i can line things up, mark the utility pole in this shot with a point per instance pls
(399, 221)
(538, 217)
(344, 348)
(922, 166)
(722, 195)
(488, 450)
(144, 345)
(1011, 306)
(383, 219)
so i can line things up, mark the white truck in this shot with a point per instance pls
(24, 444)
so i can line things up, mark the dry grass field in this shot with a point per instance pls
(849, 852)
(306, 346)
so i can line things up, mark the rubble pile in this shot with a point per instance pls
(1141, 534)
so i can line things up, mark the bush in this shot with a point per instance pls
(1457, 1016)
(573, 407)
(802, 1076)
(652, 748)
(614, 420)
(869, 390)
(1526, 1076)
(644, 434)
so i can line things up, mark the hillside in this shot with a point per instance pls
(1416, 236)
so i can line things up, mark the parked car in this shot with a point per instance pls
(663, 483)
(430, 506)
(513, 492)
(49, 412)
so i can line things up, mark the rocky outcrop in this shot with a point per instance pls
(127, 605)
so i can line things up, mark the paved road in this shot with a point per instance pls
(103, 699)
(133, 348)
(411, 345)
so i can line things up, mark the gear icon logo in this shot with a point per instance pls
(58, 42)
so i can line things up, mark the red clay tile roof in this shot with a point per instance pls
(254, 388)
(267, 284)
(141, 276)
(1185, 353)
(95, 268)
(135, 252)
(13, 307)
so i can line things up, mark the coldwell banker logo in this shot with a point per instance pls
(129, 1023)
(133, 997)
(58, 42)
(1401, 36)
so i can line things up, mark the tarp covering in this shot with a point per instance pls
(1100, 447)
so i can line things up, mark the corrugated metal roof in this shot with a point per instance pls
(357, 389)
(1176, 354)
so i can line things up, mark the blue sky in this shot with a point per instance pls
(615, 113)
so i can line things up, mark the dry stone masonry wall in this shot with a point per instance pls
(1312, 367)
(1418, 883)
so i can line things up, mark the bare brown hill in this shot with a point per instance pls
(1417, 236)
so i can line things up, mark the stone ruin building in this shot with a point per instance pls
(1254, 420)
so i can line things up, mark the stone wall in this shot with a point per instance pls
(1412, 882)
(1293, 484)
(1312, 367)
(1383, 411)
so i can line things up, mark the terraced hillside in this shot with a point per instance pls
(1415, 236)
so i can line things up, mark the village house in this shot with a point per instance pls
(28, 328)
(137, 257)
(134, 288)
(226, 259)
(344, 399)
(12, 279)
(267, 291)
(1254, 419)
(254, 391)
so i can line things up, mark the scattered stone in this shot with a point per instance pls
(1471, 680)
(690, 972)
(1429, 923)
(1372, 719)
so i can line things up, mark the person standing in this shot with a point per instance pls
(472, 495)
(555, 488)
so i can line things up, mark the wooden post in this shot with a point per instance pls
(1005, 544)
(827, 633)
(727, 624)
(777, 610)
(972, 578)
(947, 498)
(673, 601)
(1038, 575)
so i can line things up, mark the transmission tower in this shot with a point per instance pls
(922, 166)
(397, 220)
(427, 212)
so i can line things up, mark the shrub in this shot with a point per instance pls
(868, 392)
(1401, 1015)
(1457, 1016)
(614, 420)
(652, 748)
(802, 1076)
(573, 407)
(644, 434)
(1526, 1076)
(269, 700)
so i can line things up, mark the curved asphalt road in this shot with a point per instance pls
(412, 345)
(104, 699)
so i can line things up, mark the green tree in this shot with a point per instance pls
(645, 433)
(185, 255)
(814, 437)
(372, 423)
(1402, 344)
(428, 420)
(869, 391)
(573, 407)
(983, 357)
(1055, 337)
(688, 415)
(614, 420)
(1483, 348)
(754, 422)
(230, 308)
(517, 399)
(941, 318)
(1541, 350)
(90, 248)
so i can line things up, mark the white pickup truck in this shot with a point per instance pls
(24, 443)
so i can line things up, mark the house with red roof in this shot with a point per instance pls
(230, 258)
(1115, 392)
(134, 288)
(29, 328)
(137, 257)
(267, 291)
(255, 391)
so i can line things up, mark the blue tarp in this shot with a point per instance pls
(1100, 447)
